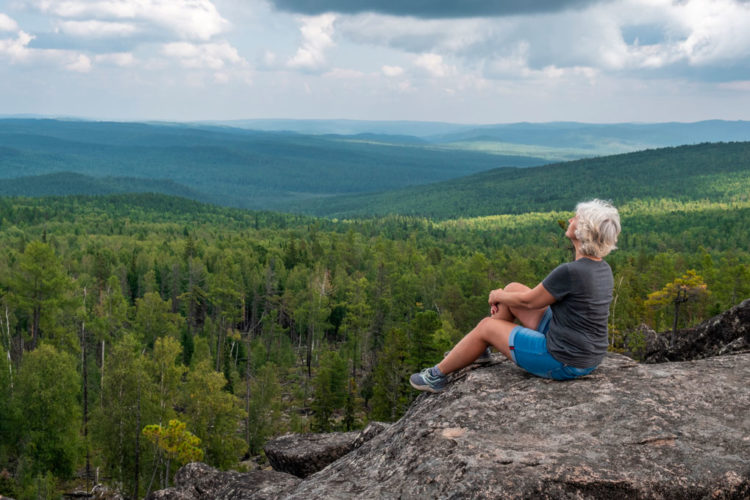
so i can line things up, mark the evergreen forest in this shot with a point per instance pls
(143, 331)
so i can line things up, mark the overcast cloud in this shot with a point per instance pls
(472, 62)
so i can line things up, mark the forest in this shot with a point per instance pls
(715, 171)
(143, 331)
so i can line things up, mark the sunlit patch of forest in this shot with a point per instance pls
(213, 329)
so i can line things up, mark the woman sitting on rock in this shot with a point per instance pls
(563, 320)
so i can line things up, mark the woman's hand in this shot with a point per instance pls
(494, 300)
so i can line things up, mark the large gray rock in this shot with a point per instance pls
(677, 430)
(197, 481)
(628, 430)
(728, 332)
(305, 454)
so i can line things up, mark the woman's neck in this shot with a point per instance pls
(580, 255)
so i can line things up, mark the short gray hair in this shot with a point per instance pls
(598, 227)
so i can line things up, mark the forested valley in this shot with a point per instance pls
(140, 332)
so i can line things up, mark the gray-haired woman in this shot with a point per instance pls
(563, 320)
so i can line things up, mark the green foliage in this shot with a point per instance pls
(357, 304)
(421, 332)
(46, 395)
(175, 441)
(687, 288)
(235, 167)
(265, 407)
(392, 393)
(329, 390)
(719, 172)
(38, 286)
(127, 405)
(214, 414)
(153, 319)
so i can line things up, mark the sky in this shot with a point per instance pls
(468, 61)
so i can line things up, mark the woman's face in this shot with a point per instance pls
(572, 226)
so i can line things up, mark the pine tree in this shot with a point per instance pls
(46, 397)
(329, 390)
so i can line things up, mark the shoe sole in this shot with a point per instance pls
(426, 388)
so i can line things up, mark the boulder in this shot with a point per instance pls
(628, 430)
(728, 332)
(197, 481)
(305, 454)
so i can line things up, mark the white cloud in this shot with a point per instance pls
(202, 56)
(392, 71)
(188, 19)
(80, 63)
(433, 64)
(7, 23)
(317, 36)
(344, 74)
(16, 48)
(122, 59)
(700, 33)
(97, 29)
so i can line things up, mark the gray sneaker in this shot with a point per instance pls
(425, 381)
(483, 359)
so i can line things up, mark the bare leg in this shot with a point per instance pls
(494, 331)
(529, 318)
(489, 331)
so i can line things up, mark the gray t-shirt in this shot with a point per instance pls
(578, 331)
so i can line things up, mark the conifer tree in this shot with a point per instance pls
(38, 286)
(329, 390)
(46, 397)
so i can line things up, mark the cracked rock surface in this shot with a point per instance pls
(628, 430)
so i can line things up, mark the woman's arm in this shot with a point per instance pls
(536, 298)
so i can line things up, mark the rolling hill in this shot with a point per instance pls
(234, 167)
(715, 172)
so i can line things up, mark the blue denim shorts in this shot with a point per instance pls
(528, 349)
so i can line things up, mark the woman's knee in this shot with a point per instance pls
(515, 287)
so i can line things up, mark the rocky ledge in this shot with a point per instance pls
(726, 333)
(628, 430)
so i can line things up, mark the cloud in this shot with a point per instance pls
(392, 71)
(638, 37)
(188, 19)
(344, 74)
(17, 50)
(80, 63)
(212, 56)
(122, 59)
(434, 65)
(97, 29)
(317, 33)
(7, 24)
(431, 9)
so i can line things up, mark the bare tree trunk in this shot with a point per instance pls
(101, 382)
(138, 442)
(85, 372)
(10, 347)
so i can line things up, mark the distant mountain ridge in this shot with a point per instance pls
(67, 183)
(719, 172)
(230, 166)
(352, 168)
